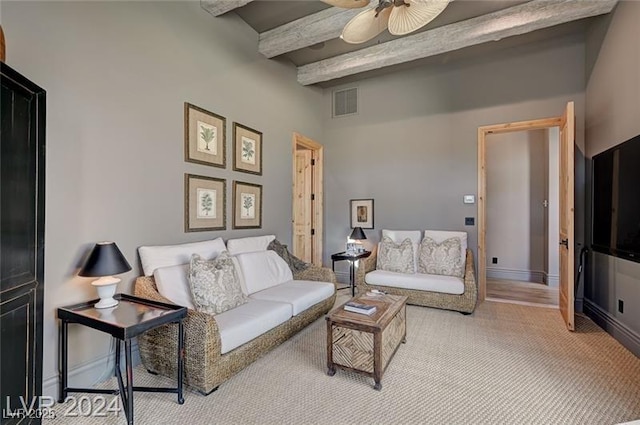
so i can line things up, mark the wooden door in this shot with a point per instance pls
(303, 208)
(22, 166)
(567, 259)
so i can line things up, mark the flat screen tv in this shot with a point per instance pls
(616, 201)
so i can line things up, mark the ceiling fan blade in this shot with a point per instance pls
(406, 19)
(365, 26)
(347, 4)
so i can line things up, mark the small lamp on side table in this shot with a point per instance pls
(357, 235)
(104, 261)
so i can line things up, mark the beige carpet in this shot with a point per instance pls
(505, 364)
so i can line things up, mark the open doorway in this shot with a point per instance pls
(307, 199)
(522, 201)
(566, 246)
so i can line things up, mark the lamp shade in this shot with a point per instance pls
(104, 260)
(357, 234)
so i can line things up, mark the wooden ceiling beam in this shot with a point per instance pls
(516, 20)
(219, 7)
(304, 32)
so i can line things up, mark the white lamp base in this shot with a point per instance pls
(106, 287)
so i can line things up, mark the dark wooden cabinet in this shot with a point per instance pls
(22, 167)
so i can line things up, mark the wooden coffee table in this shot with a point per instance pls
(366, 344)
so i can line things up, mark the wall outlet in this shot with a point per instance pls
(494, 260)
(621, 306)
(469, 221)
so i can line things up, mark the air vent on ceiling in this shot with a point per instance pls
(345, 102)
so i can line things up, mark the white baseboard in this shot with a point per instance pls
(617, 329)
(87, 374)
(553, 280)
(513, 274)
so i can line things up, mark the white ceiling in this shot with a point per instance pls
(326, 60)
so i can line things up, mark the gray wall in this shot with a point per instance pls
(613, 108)
(116, 75)
(413, 145)
(517, 185)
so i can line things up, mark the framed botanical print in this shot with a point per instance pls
(205, 203)
(362, 213)
(247, 149)
(204, 137)
(247, 205)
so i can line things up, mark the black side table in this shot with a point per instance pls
(131, 317)
(352, 259)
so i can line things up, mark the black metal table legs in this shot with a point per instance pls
(125, 389)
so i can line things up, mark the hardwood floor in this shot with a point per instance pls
(517, 292)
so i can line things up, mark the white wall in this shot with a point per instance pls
(613, 108)
(117, 75)
(413, 145)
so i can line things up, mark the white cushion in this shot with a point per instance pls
(301, 294)
(173, 284)
(262, 270)
(251, 244)
(399, 235)
(243, 286)
(441, 235)
(250, 320)
(424, 282)
(153, 257)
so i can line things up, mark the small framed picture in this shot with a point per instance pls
(362, 213)
(205, 203)
(247, 205)
(247, 149)
(204, 137)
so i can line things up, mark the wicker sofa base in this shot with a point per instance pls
(204, 367)
(463, 303)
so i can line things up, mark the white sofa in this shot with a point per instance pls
(431, 290)
(218, 346)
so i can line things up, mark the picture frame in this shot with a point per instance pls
(247, 205)
(205, 203)
(362, 213)
(247, 149)
(205, 135)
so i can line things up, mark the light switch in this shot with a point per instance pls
(469, 199)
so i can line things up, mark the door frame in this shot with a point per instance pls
(483, 131)
(317, 203)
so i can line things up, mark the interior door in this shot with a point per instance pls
(567, 259)
(22, 166)
(303, 208)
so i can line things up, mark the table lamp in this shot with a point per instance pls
(358, 235)
(104, 261)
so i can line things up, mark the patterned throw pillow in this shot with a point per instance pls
(214, 284)
(441, 258)
(394, 257)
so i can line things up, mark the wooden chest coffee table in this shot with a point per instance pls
(366, 344)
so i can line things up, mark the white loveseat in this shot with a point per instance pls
(218, 346)
(430, 290)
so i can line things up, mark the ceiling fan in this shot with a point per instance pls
(399, 16)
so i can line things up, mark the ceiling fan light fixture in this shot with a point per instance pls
(366, 26)
(406, 19)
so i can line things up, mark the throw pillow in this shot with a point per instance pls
(214, 284)
(295, 264)
(394, 257)
(440, 258)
